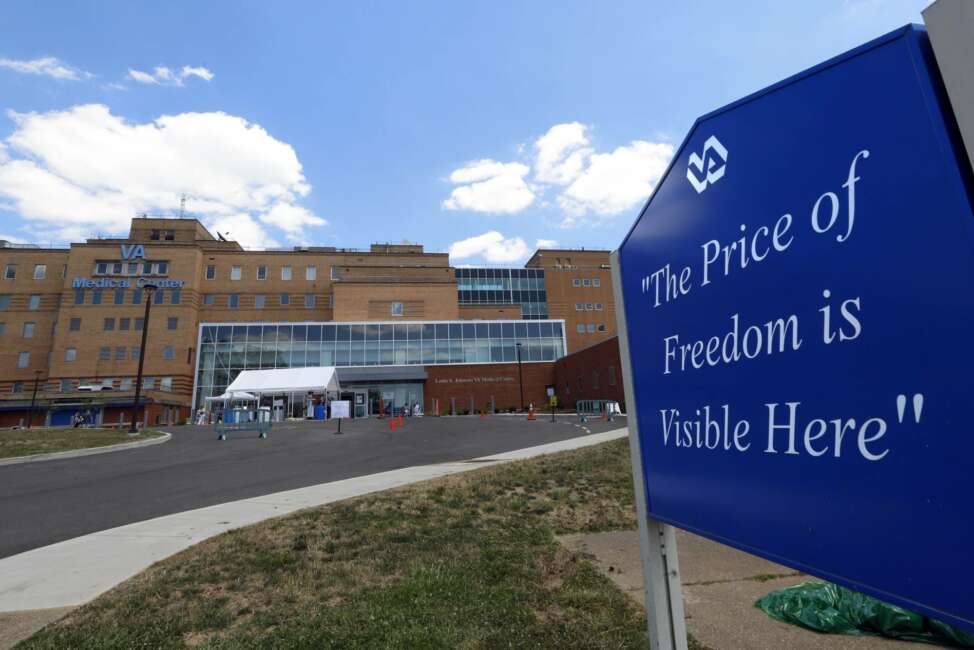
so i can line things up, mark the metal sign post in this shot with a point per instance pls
(657, 541)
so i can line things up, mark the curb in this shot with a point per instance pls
(90, 451)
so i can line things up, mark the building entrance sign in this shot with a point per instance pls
(798, 318)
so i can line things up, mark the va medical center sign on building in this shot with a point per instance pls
(799, 302)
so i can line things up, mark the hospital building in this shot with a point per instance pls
(401, 324)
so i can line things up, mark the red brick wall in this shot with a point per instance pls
(592, 373)
(484, 380)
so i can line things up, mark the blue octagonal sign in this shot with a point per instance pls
(799, 303)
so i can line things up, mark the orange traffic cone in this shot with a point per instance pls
(482, 414)
(531, 413)
(392, 424)
(400, 419)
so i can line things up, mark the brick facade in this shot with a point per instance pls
(592, 373)
(483, 381)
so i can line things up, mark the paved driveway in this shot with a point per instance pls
(47, 502)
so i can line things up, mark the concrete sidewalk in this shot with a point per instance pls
(720, 585)
(71, 573)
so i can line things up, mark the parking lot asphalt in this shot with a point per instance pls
(47, 502)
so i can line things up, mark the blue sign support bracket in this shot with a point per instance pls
(657, 540)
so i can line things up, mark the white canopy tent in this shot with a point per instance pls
(231, 396)
(278, 381)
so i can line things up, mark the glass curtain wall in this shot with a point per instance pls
(226, 349)
(505, 286)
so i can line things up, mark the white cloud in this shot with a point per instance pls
(617, 181)
(292, 219)
(163, 75)
(4, 156)
(84, 170)
(560, 154)
(490, 186)
(492, 247)
(48, 66)
(200, 71)
(141, 77)
(546, 243)
(242, 228)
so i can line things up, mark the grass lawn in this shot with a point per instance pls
(468, 561)
(26, 442)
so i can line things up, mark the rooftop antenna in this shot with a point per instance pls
(182, 205)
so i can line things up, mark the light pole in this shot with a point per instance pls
(33, 398)
(520, 374)
(149, 290)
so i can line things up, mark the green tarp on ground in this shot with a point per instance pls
(829, 608)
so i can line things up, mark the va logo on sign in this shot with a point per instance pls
(709, 168)
(133, 251)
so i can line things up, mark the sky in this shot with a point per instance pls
(482, 129)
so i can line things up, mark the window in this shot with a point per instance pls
(175, 296)
(125, 384)
(158, 296)
(261, 272)
(109, 325)
(162, 268)
(40, 271)
(310, 273)
(148, 383)
(596, 282)
(233, 300)
(28, 330)
(120, 353)
(154, 234)
(137, 297)
(119, 296)
(117, 268)
(136, 353)
(601, 327)
(595, 379)
(210, 272)
(334, 273)
(586, 282)
(146, 268)
(10, 273)
(18, 387)
(598, 306)
(234, 272)
(612, 375)
(396, 309)
(309, 301)
(172, 323)
(101, 268)
(65, 385)
(74, 324)
(580, 328)
(23, 359)
(259, 301)
(133, 268)
(168, 353)
(79, 297)
(579, 306)
(96, 297)
(285, 299)
(208, 299)
(169, 235)
(105, 353)
(591, 328)
(4, 301)
(576, 282)
(124, 324)
(165, 384)
(34, 302)
(589, 306)
(138, 324)
(70, 354)
(285, 272)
